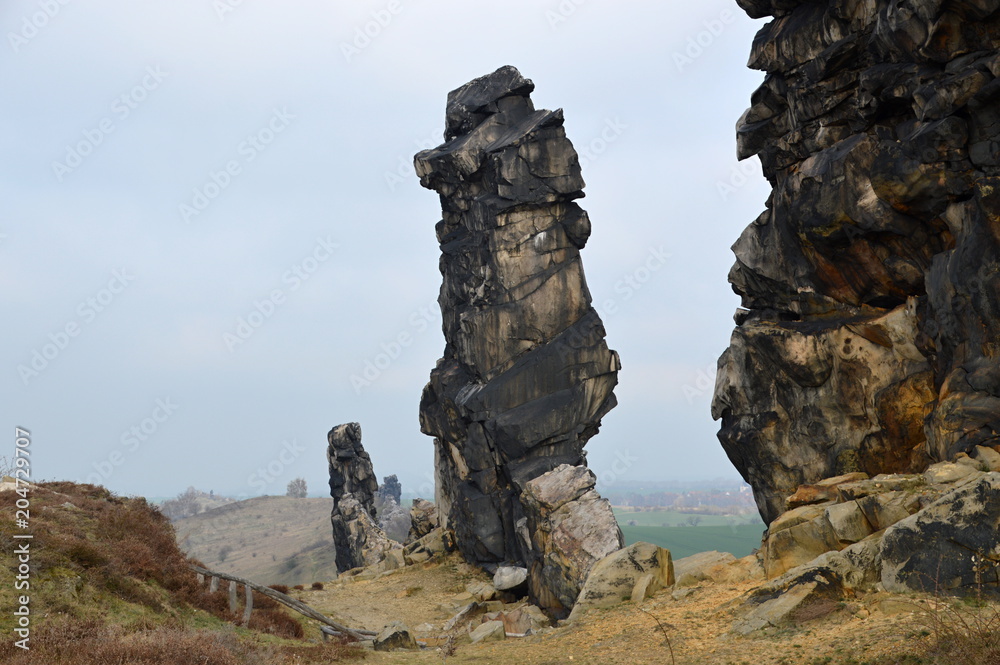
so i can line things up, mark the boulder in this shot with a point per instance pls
(395, 636)
(526, 375)
(489, 631)
(437, 542)
(524, 620)
(571, 528)
(423, 519)
(951, 546)
(510, 578)
(988, 457)
(617, 577)
(696, 568)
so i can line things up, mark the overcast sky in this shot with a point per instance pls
(211, 227)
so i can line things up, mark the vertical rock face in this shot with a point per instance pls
(358, 539)
(526, 375)
(870, 332)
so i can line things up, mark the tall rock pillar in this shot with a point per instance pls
(526, 375)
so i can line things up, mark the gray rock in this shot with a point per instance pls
(393, 519)
(615, 577)
(423, 520)
(357, 538)
(508, 578)
(573, 528)
(395, 636)
(526, 375)
(696, 568)
(489, 631)
(950, 546)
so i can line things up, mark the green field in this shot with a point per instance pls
(674, 531)
(673, 518)
(684, 541)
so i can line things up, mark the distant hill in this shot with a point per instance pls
(269, 539)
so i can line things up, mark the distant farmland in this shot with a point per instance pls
(738, 535)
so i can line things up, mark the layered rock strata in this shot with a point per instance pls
(526, 375)
(870, 330)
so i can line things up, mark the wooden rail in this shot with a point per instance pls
(282, 598)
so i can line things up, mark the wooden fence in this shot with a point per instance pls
(331, 626)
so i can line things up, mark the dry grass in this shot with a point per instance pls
(965, 632)
(92, 643)
(117, 589)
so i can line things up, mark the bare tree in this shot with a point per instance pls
(298, 489)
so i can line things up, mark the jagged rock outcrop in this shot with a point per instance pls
(423, 519)
(526, 375)
(390, 489)
(356, 535)
(869, 336)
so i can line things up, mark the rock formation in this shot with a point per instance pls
(391, 489)
(358, 539)
(526, 375)
(870, 330)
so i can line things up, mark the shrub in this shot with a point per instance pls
(317, 586)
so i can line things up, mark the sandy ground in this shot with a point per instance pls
(697, 625)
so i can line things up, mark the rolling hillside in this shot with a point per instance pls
(270, 539)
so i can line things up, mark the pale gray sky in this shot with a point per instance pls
(171, 168)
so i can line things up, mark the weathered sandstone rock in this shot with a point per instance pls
(871, 283)
(631, 573)
(357, 537)
(526, 375)
(571, 528)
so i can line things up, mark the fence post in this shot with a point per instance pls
(201, 580)
(233, 604)
(249, 605)
(213, 586)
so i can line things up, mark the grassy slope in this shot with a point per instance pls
(109, 585)
(271, 539)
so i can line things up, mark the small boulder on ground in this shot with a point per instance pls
(613, 579)
(510, 578)
(488, 632)
(395, 636)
